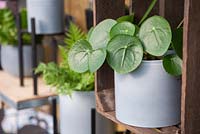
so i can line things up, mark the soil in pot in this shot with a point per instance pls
(10, 59)
(148, 97)
(75, 114)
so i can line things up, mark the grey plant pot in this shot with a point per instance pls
(75, 115)
(148, 97)
(10, 62)
(48, 14)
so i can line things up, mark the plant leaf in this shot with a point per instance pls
(173, 64)
(83, 58)
(125, 53)
(155, 34)
(74, 34)
(128, 18)
(122, 28)
(100, 36)
(90, 32)
(177, 41)
(96, 59)
(23, 14)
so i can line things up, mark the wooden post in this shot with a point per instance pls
(191, 66)
(104, 77)
(172, 10)
(140, 6)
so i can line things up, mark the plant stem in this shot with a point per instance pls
(180, 24)
(148, 11)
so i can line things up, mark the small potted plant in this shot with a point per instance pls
(48, 14)
(76, 91)
(147, 67)
(9, 41)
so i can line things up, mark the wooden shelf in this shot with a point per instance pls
(137, 130)
(174, 12)
(19, 97)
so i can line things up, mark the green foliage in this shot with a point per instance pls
(8, 29)
(126, 45)
(100, 36)
(124, 48)
(23, 14)
(83, 58)
(65, 80)
(125, 27)
(90, 32)
(125, 53)
(128, 18)
(74, 34)
(173, 64)
(61, 76)
(155, 34)
(177, 41)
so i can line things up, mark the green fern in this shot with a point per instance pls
(8, 29)
(74, 34)
(61, 76)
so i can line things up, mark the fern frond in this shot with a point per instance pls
(74, 34)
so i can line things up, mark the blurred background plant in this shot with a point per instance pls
(61, 76)
(8, 29)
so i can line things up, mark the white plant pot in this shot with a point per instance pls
(148, 97)
(75, 115)
(48, 14)
(10, 59)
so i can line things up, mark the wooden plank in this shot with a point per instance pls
(106, 99)
(170, 130)
(173, 11)
(9, 86)
(140, 6)
(104, 77)
(138, 130)
(191, 66)
(170, 9)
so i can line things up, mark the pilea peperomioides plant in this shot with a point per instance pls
(125, 45)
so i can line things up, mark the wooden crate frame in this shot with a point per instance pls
(173, 10)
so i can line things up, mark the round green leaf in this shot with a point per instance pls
(83, 58)
(177, 41)
(173, 64)
(126, 18)
(96, 59)
(155, 34)
(122, 28)
(125, 53)
(100, 35)
(90, 32)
